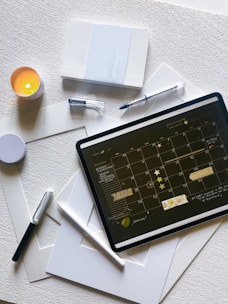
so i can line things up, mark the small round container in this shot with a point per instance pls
(12, 148)
(26, 83)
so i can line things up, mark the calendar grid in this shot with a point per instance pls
(165, 173)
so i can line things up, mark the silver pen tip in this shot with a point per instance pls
(125, 106)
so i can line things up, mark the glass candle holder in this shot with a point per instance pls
(26, 83)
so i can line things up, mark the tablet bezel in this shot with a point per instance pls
(123, 129)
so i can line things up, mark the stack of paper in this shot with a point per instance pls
(149, 272)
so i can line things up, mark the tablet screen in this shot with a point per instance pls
(160, 174)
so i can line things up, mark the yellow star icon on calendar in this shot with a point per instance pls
(159, 179)
(162, 186)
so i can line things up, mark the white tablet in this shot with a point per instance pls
(161, 173)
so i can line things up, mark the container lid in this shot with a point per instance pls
(12, 148)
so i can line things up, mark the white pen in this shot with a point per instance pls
(87, 103)
(76, 220)
(145, 98)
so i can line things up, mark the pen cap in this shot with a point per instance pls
(42, 207)
(77, 102)
(88, 103)
(95, 104)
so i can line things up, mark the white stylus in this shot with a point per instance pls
(76, 220)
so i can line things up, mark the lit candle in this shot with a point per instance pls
(26, 83)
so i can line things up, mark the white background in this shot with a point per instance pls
(32, 33)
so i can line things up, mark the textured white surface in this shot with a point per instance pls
(32, 33)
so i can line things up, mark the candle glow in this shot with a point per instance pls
(25, 81)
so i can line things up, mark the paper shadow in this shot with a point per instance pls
(27, 122)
